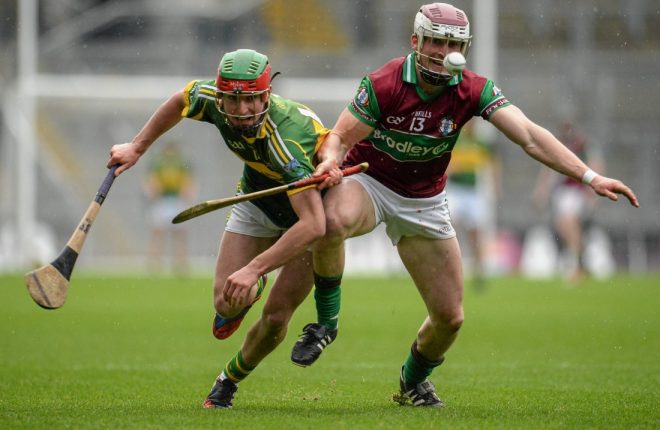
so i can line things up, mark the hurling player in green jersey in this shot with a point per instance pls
(277, 140)
(404, 121)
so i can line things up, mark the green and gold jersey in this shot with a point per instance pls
(282, 152)
(469, 156)
(170, 172)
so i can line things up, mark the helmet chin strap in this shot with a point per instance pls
(244, 130)
(437, 79)
(430, 77)
(247, 130)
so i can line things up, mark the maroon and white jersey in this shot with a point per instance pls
(414, 132)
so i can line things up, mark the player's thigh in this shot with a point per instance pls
(236, 251)
(436, 269)
(349, 209)
(294, 282)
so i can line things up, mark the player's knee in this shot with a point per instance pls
(450, 319)
(336, 229)
(317, 231)
(456, 322)
(275, 322)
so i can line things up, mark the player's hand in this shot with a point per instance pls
(124, 154)
(330, 167)
(238, 287)
(608, 187)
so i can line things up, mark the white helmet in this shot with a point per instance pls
(441, 21)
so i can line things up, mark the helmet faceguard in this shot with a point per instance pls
(243, 90)
(440, 21)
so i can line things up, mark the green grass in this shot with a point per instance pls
(138, 353)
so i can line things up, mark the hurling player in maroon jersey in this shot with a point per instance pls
(404, 120)
(571, 204)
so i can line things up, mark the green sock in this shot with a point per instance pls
(417, 368)
(327, 295)
(236, 369)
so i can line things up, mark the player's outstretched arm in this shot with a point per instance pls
(165, 117)
(543, 146)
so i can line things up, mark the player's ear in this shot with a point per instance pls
(414, 40)
(265, 96)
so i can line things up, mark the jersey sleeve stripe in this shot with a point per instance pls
(186, 98)
(263, 169)
(494, 106)
(491, 100)
(204, 96)
(191, 94)
(276, 144)
(310, 114)
(361, 115)
(209, 89)
(270, 136)
(282, 147)
(297, 190)
(322, 134)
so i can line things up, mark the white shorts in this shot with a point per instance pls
(467, 206)
(247, 219)
(426, 217)
(164, 209)
(569, 201)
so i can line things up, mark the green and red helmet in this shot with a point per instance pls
(243, 73)
(244, 70)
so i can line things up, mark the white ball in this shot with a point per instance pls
(454, 62)
(252, 296)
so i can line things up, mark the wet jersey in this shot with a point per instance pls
(281, 153)
(414, 133)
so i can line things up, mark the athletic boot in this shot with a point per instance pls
(314, 338)
(221, 395)
(422, 394)
(225, 327)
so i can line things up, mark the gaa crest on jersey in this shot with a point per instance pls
(362, 97)
(447, 126)
(496, 91)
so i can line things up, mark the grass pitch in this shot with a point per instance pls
(138, 353)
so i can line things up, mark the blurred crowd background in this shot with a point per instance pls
(103, 66)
